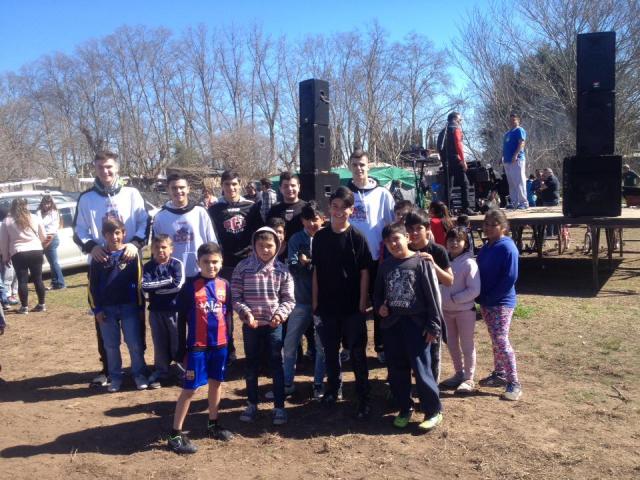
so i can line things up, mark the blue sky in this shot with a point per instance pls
(30, 28)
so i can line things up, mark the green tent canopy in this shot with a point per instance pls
(383, 175)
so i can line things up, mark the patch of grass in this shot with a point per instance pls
(523, 311)
(609, 345)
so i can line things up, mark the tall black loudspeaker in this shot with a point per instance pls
(314, 102)
(315, 148)
(319, 187)
(596, 55)
(596, 123)
(592, 186)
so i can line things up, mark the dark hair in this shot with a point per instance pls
(344, 194)
(452, 116)
(174, 177)
(515, 115)
(395, 227)
(402, 204)
(459, 234)
(275, 222)
(417, 216)
(532, 176)
(48, 201)
(289, 176)
(498, 216)
(463, 220)
(310, 211)
(229, 175)
(358, 153)
(441, 211)
(265, 237)
(105, 155)
(209, 248)
(110, 225)
(265, 182)
(162, 237)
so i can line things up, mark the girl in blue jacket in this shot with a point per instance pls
(498, 266)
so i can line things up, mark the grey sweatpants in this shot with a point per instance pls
(164, 331)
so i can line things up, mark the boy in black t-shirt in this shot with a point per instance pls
(406, 299)
(340, 284)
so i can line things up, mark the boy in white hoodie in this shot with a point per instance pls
(458, 307)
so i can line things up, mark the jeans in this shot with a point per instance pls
(353, 329)
(26, 263)
(299, 320)
(127, 317)
(51, 252)
(255, 339)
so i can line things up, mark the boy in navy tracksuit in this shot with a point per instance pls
(162, 278)
(116, 300)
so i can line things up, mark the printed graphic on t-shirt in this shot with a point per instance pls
(210, 306)
(111, 212)
(359, 213)
(400, 292)
(288, 214)
(235, 224)
(184, 234)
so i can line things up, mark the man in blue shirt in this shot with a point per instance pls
(513, 159)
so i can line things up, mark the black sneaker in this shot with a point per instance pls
(364, 411)
(181, 444)
(218, 432)
(328, 399)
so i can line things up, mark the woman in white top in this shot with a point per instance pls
(51, 221)
(21, 238)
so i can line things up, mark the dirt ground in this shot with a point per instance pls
(578, 360)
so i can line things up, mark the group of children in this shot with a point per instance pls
(423, 293)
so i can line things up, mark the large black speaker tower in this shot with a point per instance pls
(314, 102)
(319, 187)
(596, 83)
(314, 133)
(592, 186)
(315, 148)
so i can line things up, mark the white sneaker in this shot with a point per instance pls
(468, 386)
(115, 385)
(100, 381)
(141, 382)
(513, 392)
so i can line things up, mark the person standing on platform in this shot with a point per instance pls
(513, 159)
(372, 211)
(452, 156)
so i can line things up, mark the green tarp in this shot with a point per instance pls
(383, 175)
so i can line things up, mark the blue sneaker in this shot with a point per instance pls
(250, 413)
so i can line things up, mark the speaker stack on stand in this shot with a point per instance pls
(315, 144)
(592, 178)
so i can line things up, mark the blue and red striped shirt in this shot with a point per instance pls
(204, 310)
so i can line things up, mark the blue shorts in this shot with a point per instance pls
(200, 366)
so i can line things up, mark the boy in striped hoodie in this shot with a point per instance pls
(262, 290)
